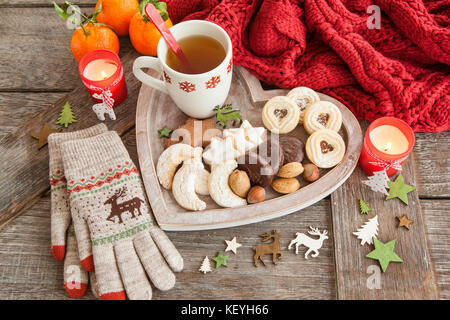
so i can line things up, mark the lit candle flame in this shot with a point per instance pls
(388, 146)
(104, 75)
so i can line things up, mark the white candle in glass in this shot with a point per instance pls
(389, 139)
(100, 69)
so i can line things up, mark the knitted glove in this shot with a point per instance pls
(60, 213)
(112, 219)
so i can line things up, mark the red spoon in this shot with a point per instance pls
(159, 23)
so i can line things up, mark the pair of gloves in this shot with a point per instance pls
(99, 205)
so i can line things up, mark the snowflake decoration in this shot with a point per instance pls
(213, 82)
(230, 65)
(166, 77)
(187, 86)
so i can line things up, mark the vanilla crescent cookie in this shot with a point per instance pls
(218, 186)
(170, 159)
(303, 97)
(325, 148)
(322, 115)
(185, 182)
(280, 115)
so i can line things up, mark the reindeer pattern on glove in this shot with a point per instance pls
(117, 209)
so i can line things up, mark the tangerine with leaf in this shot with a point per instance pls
(90, 35)
(143, 34)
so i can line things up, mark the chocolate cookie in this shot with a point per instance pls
(271, 151)
(293, 149)
(257, 168)
(197, 133)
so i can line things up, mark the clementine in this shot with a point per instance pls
(93, 37)
(117, 14)
(143, 34)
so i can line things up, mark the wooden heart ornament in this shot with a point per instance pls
(156, 110)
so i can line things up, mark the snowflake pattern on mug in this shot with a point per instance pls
(230, 65)
(213, 82)
(187, 86)
(166, 77)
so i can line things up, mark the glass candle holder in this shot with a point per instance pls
(378, 152)
(101, 71)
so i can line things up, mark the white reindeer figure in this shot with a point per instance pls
(105, 106)
(312, 244)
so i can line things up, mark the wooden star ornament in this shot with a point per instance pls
(43, 134)
(232, 245)
(398, 189)
(403, 221)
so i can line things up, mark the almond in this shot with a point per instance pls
(290, 170)
(285, 185)
(239, 183)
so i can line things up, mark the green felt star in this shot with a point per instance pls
(384, 253)
(398, 189)
(364, 207)
(220, 260)
(165, 132)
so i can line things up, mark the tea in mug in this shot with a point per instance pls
(202, 52)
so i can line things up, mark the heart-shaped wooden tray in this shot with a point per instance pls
(156, 110)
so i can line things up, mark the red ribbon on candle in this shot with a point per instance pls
(386, 164)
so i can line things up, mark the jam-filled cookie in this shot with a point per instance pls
(280, 115)
(303, 97)
(322, 115)
(325, 148)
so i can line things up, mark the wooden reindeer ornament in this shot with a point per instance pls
(106, 106)
(127, 206)
(272, 248)
(222, 118)
(310, 243)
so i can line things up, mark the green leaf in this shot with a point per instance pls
(94, 16)
(66, 116)
(60, 11)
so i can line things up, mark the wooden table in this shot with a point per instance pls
(38, 71)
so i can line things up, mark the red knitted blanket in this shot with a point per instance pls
(399, 67)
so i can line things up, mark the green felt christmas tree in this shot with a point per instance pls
(66, 116)
(364, 207)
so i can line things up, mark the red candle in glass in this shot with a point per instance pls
(373, 159)
(115, 83)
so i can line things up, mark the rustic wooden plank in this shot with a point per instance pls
(28, 271)
(412, 279)
(437, 221)
(41, 3)
(25, 173)
(432, 164)
(35, 46)
(18, 107)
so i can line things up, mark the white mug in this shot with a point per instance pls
(195, 94)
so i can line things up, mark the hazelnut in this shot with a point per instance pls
(311, 172)
(239, 183)
(256, 194)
